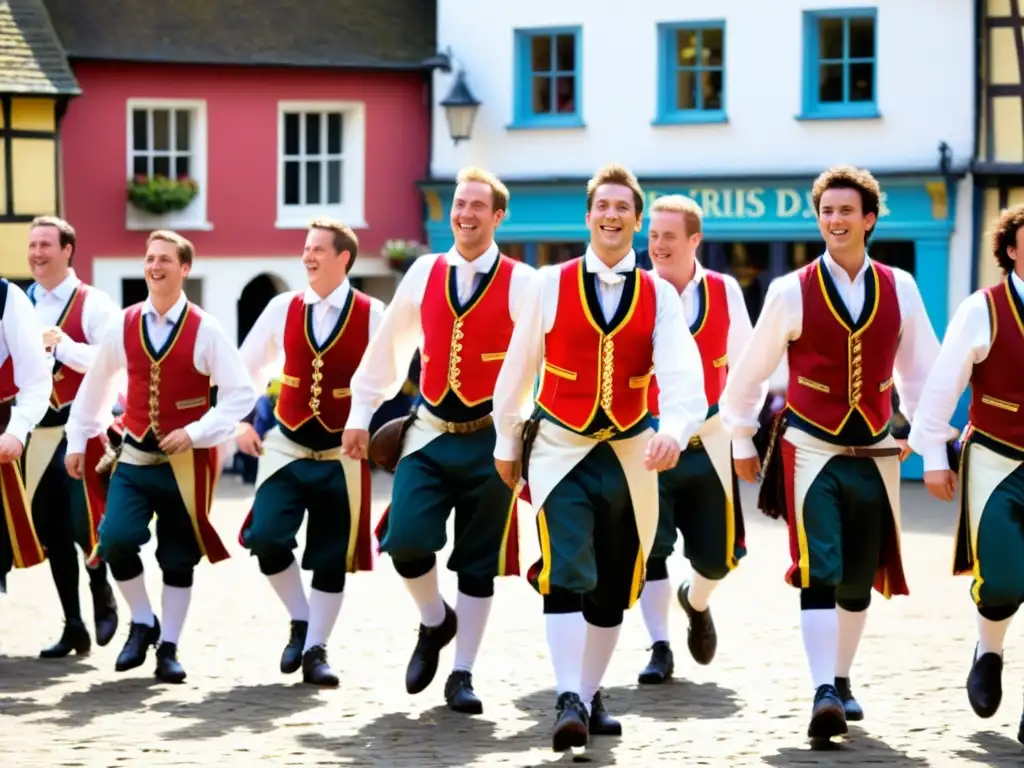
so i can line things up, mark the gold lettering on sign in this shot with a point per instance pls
(753, 202)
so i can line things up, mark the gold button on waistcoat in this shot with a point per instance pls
(454, 357)
(314, 388)
(154, 399)
(607, 370)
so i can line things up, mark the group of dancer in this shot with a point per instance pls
(619, 403)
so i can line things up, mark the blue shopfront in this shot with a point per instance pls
(754, 229)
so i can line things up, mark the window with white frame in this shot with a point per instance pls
(321, 164)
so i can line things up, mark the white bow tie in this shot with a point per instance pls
(611, 278)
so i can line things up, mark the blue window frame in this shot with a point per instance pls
(840, 64)
(691, 72)
(548, 78)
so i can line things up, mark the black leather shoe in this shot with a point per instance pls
(701, 637)
(291, 657)
(168, 669)
(316, 670)
(458, 692)
(661, 666)
(850, 705)
(985, 684)
(423, 664)
(104, 612)
(828, 718)
(571, 727)
(601, 723)
(75, 637)
(140, 638)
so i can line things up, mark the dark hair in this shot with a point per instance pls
(1005, 236)
(65, 232)
(848, 177)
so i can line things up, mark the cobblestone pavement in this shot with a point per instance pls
(749, 707)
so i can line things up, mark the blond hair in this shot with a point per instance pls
(692, 213)
(186, 251)
(499, 192)
(616, 174)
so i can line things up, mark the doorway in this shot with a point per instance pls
(257, 293)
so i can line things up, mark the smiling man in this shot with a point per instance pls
(596, 328)
(851, 329)
(463, 305)
(173, 353)
(323, 332)
(65, 511)
(698, 497)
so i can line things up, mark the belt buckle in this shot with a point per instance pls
(449, 427)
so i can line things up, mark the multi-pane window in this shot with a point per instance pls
(312, 158)
(695, 65)
(841, 62)
(548, 76)
(161, 142)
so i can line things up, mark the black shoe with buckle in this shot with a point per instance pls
(661, 666)
(458, 692)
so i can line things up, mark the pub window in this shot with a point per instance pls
(548, 75)
(841, 63)
(691, 72)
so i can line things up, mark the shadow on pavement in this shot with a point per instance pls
(857, 748)
(998, 750)
(673, 701)
(254, 708)
(24, 674)
(112, 697)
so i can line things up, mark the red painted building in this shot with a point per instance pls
(280, 112)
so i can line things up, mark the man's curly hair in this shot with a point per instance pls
(848, 177)
(1005, 236)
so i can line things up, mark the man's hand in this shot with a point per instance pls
(249, 440)
(75, 465)
(747, 469)
(177, 441)
(355, 443)
(510, 471)
(941, 483)
(10, 448)
(662, 453)
(904, 449)
(52, 336)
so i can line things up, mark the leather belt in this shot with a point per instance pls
(864, 452)
(455, 427)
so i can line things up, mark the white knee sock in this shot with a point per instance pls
(700, 591)
(597, 655)
(820, 630)
(134, 593)
(991, 635)
(567, 640)
(288, 586)
(472, 613)
(175, 608)
(323, 613)
(654, 604)
(427, 594)
(851, 628)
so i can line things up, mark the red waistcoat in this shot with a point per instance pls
(586, 369)
(315, 383)
(8, 389)
(165, 391)
(462, 353)
(67, 380)
(997, 387)
(834, 370)
(712, 336)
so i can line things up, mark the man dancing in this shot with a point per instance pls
(66, 511)
(852, 328)
(323, 332)
(984, 347)
(698, 497)
(463, 304)
(173, 352)
(598, 328)
(24, 374)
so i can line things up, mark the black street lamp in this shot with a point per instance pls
(460, 107)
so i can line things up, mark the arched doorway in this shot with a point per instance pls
(254, 299)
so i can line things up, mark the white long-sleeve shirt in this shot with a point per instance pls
(214, 356)
(967, 343)
(98, 312)
(21, 339)
(740, 327)
(677, 365)
(385, 365)
(264, 344)
(781, 322)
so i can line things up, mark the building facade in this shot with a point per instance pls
(739, 106)
(36, 85)
(998, 167)
(286, 114)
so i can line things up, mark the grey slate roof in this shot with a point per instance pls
(32, 59)
(396, 34)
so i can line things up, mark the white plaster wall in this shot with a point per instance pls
(925, 90)
(961, 248)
